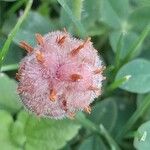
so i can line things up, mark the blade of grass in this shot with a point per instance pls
(134, 47)
(77, 23)
(77, 8)
(136, 115)
(118, 50)
(5, 48)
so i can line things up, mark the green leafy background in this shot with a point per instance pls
(120, 31)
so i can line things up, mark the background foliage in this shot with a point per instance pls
(120, 30)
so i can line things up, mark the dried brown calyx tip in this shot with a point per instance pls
(26, 46)
(61, 40)
(99, 70)
(87, 109)
(75, 77)
(17, 76)
(75, 51)
(93, 88)
(39, 38)
(65, 31)
(52, 95)
(40, 57)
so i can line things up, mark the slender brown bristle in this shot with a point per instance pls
(75, 77)
(20, 90)
(17, 76)
(64, 29)
(75, 51)
(93, 88)
(99, 70)
(26, 46)
(96, 90)
(64, 102)
(61, 40)
(104, 78)
(39, 39)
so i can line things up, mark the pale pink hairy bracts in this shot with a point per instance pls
(60, 76)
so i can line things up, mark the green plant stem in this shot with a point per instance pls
(5, 48)
(77, 8)
(136, 115)
(113, 145)
(130, 135)
(118, 50)
(80, 118)
(118, 83)
(134, 48)
(9, 67)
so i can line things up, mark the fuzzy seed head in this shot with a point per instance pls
(60, 76)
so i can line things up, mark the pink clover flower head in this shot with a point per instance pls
(60, 76)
